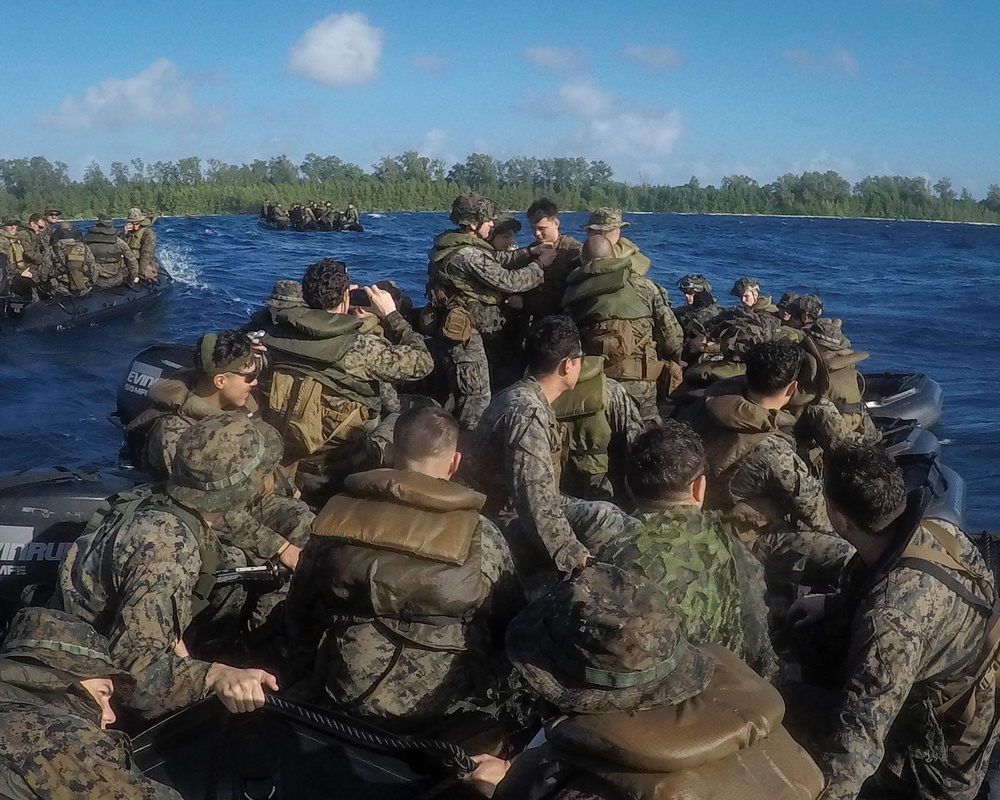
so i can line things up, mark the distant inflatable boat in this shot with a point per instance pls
(67, 312)
(274, 225)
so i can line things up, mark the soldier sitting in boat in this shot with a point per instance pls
(748, 292)
(69, 268)
(116, 263)
(19, 277)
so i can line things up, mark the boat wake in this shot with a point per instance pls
(178, 261)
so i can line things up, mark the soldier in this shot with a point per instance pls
(140, 236)
(36, 241)
(784, 304)
(688, 552)
(286, 294)
(50, 217)
(351, 215)
(748, 292)
(701, 306)
(642, 712)
(755, 477)
(917, 714)
(19, 275)
(145, 572)
(505, 228)
(69, 267)
(607, 222)
(56, 682)
(802, 310)
(468, 282)
(543, 217)
(224, 375)
(626, 318)
(116, 263)
(324, 385)
(514, 455)
(402, 586)
(329, 218)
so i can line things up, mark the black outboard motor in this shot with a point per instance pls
(41, 512)
(146, 368)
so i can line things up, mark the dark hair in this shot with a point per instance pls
(865, 484)
(324, 284)
(543, 207)
(551, 341)
(422, 432)
(404, 304)
(509, 225)
(35, 218)
(664, 462)
(772, 366)
(229, 347)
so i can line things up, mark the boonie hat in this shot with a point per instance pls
(62, 642)
(605, 219)
(603, 642)
(135, 215)
(286, 294)
(221, 462)
(11, 221)
(51, 209)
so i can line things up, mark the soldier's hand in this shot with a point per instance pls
(288, 555)
(807, 610)
(382, 303)
(489, 771)
(545, 254)
(240, 690)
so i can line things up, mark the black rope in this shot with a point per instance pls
(453, 756)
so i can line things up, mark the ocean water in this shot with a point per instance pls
(920, 297)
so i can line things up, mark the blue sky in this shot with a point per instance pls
(659, 90)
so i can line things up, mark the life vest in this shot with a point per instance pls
(103, 243)
(117, 512)
(445, 287)
(410, 559)
(15, 254)
(582, 413)
(727, 741)
(134, 238)
(609, 311)
(311, 400)
(626, 249)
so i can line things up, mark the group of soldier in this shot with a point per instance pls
(49, 258)
(312, 216)
(543, 503)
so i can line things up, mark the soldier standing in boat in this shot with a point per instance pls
(140, 236)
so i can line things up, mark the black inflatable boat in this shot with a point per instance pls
(100, 304)
(896, 395)
(272, 225)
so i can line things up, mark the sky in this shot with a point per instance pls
(659, 90)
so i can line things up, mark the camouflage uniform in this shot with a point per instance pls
(912, 643)
(286, 294)
(142, 242)
(35, 245)
(51, 742)
(512, 459)
(55, 272)
(346, 632)
(142, 581)
(719, 587)
(116, 263)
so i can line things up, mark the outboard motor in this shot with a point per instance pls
(41, 512)
(146, 369)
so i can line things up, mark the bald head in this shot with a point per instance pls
(597, 247)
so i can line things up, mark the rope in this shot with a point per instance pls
(453, 757)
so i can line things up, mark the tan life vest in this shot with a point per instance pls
(412, 560)
(727, 741)
(73, 257)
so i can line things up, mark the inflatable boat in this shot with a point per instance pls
(903, 396)
(100, 304)
(273, 225)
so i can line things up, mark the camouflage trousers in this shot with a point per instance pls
(468, 373)
(644, 394)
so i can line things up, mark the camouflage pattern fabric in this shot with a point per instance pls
(422, 685)
(146, 256)
(908, 631)
(510, 460)
(54, 272)
(136, 588)
(468, 372)
(398, 356)
(718, 586)
(666, 330)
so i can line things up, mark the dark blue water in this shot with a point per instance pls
(921, 297)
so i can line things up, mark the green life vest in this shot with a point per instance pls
(73, 255)
(638, 263)
(134, 239)
(582, 411)
(444, 286)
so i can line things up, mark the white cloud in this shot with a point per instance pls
(637, 135)
(585, 99)
(428, 62)
(160, 93)
(652, 57)
(340, 50)
(836, 60)
(555, 59)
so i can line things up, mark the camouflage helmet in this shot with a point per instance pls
(744, 285)
(221, 462)
(472, 208)
(286, 294)
(739, 329)
(605, 219)
(786, 299)
(828, 335)
(602, 642)
(810, 305)
(62, 642)
(690, 284)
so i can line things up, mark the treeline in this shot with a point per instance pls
(411, 182)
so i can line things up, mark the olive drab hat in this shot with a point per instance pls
(62, 642)
(11, 222)
(221, 462)
(605, 219)
(51, 209)
(472, 208)
(603, 642)
(135, 215)
(690, 284)
(744, 285)
(286, 294)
